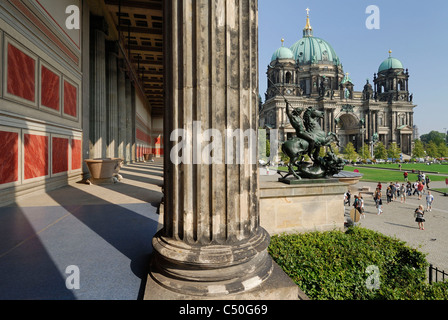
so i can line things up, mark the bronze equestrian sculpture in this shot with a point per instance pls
(309, 139)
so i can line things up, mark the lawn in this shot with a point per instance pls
(376, 174)
(441, 168)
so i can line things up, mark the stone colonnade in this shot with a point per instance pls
(112, 99)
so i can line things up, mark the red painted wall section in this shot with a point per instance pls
(60, 155)
(21, 74)
(70, 100)
(50, 89)
(35, 156)
(76, 154)
(9, 157)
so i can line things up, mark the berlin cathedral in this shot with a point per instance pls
(311, 74)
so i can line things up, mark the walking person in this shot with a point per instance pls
(427, 182)
(347, 198)
(403, 193)
(378, 201)
(389, 194)
(429, 201)
(360, 198)
(415, 185)
(420, 190)
(419, 213)
(409, 189)
(405, 175)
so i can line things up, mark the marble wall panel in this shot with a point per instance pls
(50, 89)
(9, 157)
(70, 99)
(36, 149)
(21, 74)
(60, 154)
(76, 154)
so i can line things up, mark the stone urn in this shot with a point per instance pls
(148, 156)
(104, 170)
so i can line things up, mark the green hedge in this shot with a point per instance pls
(333, 266)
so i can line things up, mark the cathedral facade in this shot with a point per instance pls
(311, 74)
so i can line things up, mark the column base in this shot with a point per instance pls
(277, 287)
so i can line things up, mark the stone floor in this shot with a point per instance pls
(105, 231)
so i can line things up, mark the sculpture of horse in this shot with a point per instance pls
(296, 148)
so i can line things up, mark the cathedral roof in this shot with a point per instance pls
(390, 63)
(282, 53)
(310, 49)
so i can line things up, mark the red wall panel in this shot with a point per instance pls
(49, 89)
(9, 157)
(35, 156)
(76, 154)
(70, 99)
(60, 155)
(21, 74)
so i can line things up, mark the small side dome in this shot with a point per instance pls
(390, 63)
(282, 53)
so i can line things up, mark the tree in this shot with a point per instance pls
(443, 150)
(350, 152)
(432, 150)
(419, 151)
(434, 136)
(365, 152)
(380, 151)
(393, 151)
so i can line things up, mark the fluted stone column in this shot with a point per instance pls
(112, 99)
(128, 127)
(211, 243)
(98, 133)
(121, 110)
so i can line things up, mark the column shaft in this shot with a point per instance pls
(98, 131)
(112, 101)
(211, 228)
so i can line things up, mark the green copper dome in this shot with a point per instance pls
(390, 63)
(282, 53)
(310, 50)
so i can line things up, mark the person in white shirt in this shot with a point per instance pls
(429, 201)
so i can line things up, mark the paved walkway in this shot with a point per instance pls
(398, 220)
(105, 231)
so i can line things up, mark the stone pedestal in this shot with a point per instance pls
(304, 207)
(211, 245)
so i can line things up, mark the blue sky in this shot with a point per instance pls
(415, 31)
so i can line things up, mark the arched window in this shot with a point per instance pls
(288, 77)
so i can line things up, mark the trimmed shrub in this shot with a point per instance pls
(333, 266)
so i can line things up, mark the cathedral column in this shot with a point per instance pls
(98, 133)
(211, 243)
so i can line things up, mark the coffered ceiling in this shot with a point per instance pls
(140, 27)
